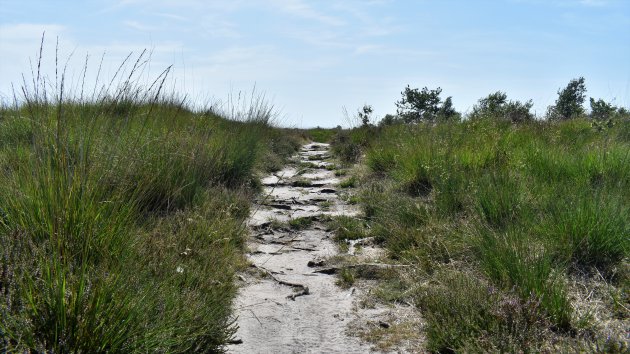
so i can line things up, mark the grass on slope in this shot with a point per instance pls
(121, 220)
(518, 233)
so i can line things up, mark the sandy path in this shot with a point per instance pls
(284, 306)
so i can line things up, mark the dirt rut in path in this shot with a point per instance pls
(285, 305)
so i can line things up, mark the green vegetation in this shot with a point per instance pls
(512, 225)
(349, 182)
(346, 278)
(425, 106)
(300, 223)
(121, 218)
(570, 100)
(496, 105)
(348, 228)
(302, 182)
(320, 135)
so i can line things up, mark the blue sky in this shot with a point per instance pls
(313, 57)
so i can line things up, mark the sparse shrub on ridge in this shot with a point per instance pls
(425, 106)
(497, 106)
(600, 109)
(569, 102)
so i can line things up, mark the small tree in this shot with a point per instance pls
(601, 110)
(419, 105)
(425, 105)
(570, 100)
(365, 114)
(496, 105)
(516, 111)
(447, 111)
(492, 105)
(390, 119)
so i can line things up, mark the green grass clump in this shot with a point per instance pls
(301, 223)
(346, 278)
(527, 209)
(348, 228)
(512, 260)
(348, 145)
(350, 182)
(317, 157)
(121, 220)
(283, 143)
(590, 231)
(302, 182)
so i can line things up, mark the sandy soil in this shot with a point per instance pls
(284, 305)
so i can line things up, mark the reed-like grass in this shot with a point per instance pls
(527, 208)
(121, 217)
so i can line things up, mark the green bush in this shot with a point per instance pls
(497, 106)
(569, 102)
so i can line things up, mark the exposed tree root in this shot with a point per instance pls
(304, 289)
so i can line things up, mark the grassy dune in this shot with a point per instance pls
(518, 233)
(121, 220)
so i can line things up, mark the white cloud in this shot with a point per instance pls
(301, 9)
(20, 32)
(595, 3)
(139, 26)
(20, 42)
(570, 3)
(237, 55)
(216, 27)
(368, 48)
(172, 16)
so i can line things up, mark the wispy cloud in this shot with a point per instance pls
(367, 49)
(571, 3)
(171, 16)
(240, 54)
(595, 3)
(376, 46)
(302, 9)
(217, 27)
(28, 31)
(139, 26)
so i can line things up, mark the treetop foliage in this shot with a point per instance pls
(496, 105)
(570, 100)
(424, 105)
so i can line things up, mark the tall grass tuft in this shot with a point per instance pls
(121, 217)
(590, 231)
(511, 259)
(527, 209)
